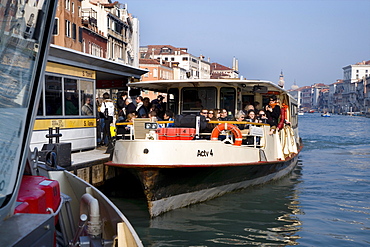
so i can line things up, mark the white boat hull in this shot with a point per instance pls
(177, 173)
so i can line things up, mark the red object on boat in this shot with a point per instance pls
(40, 193)
(186, 133)
(176, 133)
(23, 208)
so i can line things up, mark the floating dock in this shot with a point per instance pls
(89, 166)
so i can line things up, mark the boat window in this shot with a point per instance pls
(194, 99)
(71, 92)
(22, 57)
(228, 99)
(71, 97)
(173, 99)
(53, 95)
(294, 114)
(40, 107)
(247, 100)
(87, 93)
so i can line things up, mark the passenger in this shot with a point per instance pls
(107, 104)
(69, 107)
(217, 113)
(147, 104)
(247, 108)
(273, 113)
(256, 105)
(121, 104)
(204, 112)
(168, 116)
(251, 116)
(100, 123)
(153, 116)
(211, 115)
(159, 106)
(262, 116)
(124, 129)
(140, 108)
(130, 118)
(210, 126)
(87, 108)
(240, 116)
(223, 115)
(130, 107)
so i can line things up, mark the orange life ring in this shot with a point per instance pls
(235, 130)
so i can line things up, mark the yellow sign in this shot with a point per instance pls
(70, 70)
(45, 124)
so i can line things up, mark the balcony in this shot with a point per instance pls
(89, 17)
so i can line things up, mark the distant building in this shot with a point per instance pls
(66, 31)
(306, 98)
(96, 35)
(323, 100)
(157, 70)
(219, 71)
(112, 21)
(335, 97)
(353, 76)
(92, 38)
(196, 67)
(367, 96)
(345, 96)
(316, 89)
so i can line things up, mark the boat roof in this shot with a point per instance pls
(164, 85)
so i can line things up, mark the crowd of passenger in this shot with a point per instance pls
(268, 114)
(125, 110)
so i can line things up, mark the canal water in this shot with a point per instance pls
(324, 202)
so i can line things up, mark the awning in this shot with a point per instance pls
(105, 69)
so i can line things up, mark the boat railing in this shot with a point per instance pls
(254, 131)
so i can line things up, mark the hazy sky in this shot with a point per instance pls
(311, 41)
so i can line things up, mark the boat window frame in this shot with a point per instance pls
(293, 114)
(224, 102)
(196, 109)
(173, 103)
(43, 104)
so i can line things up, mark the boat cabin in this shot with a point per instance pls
(190, 96)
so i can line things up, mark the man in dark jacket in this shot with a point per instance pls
(140, 108)
(121, 104)
(130, 106)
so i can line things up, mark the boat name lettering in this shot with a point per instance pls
(204, 153)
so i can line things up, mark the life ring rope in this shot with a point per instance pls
(234, 129)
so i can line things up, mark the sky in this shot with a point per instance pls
(309, 41)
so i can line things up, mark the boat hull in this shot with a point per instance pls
(168, 188)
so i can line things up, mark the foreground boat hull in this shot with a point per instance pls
(175, 187)
(116, 227)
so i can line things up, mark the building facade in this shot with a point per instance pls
(79, 70)
(354, 77)
(195, 67)
(219, 71)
